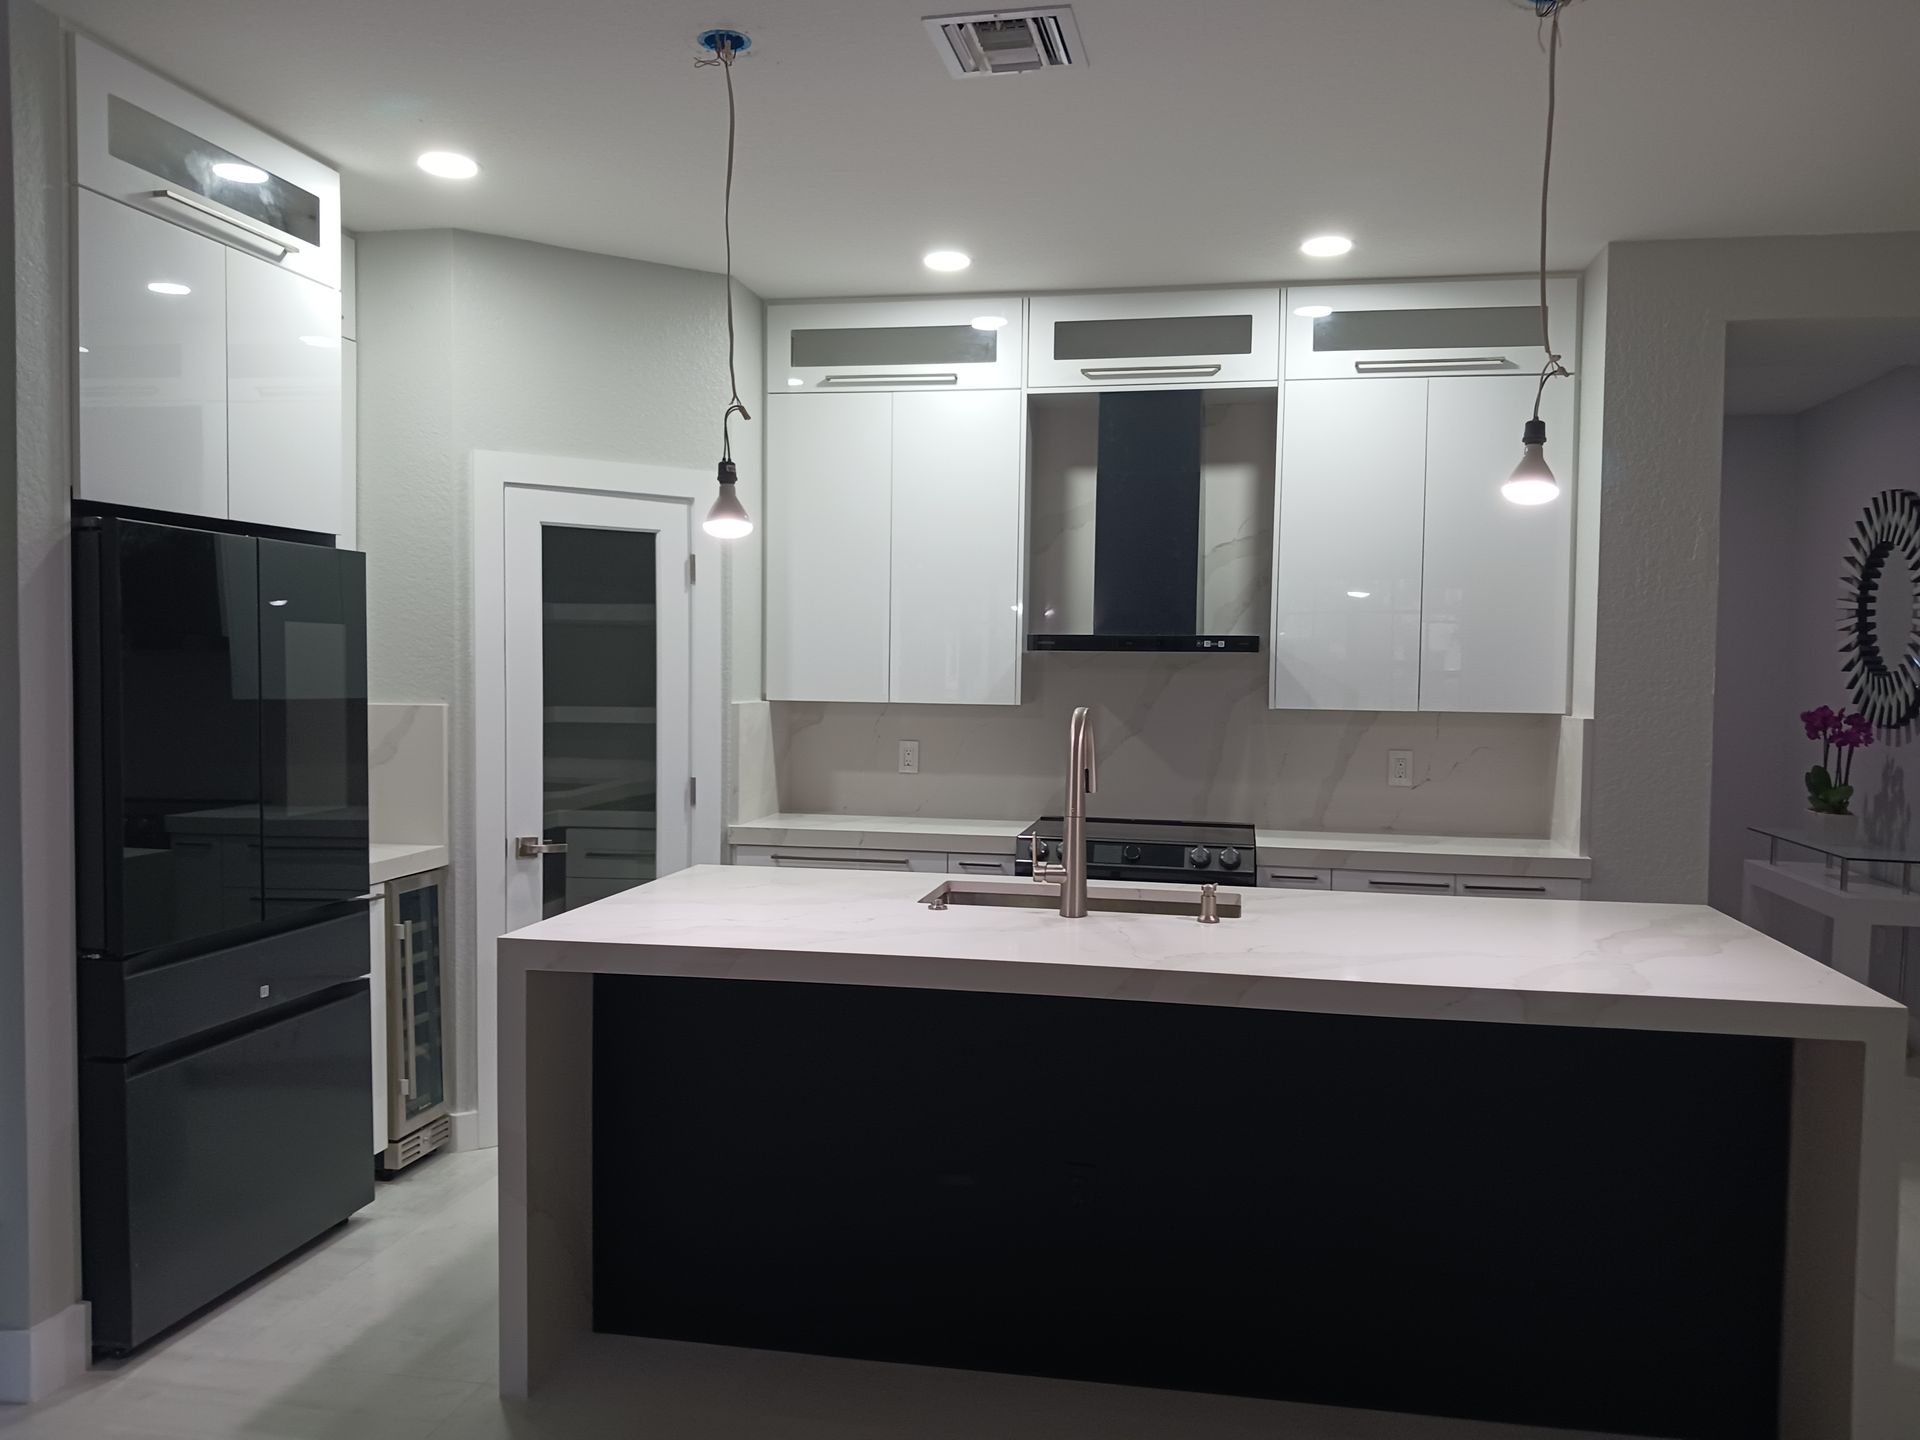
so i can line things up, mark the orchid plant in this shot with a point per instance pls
(1830, 783)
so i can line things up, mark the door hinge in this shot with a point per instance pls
(693, 568)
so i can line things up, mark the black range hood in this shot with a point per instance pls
(1146, 555)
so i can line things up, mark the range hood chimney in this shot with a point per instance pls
(1146, 555)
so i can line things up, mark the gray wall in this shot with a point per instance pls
(39, 1246)
(1667, 308)
(475, 342)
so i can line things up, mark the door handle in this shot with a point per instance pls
(253, 233)
(1467, 365)
(916, 378)
(532, 847)
(1149, 372)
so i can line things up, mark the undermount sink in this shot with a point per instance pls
(1101, 899)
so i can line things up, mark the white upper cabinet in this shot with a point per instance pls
(1347, 584)
(1176, 338)
(1447, 327)
(146, 142)
(957, 463)
(894, 345)
(284, 429)
(829, 521)
(1498, 576)
(152, 364)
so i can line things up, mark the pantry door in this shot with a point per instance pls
(598, 690)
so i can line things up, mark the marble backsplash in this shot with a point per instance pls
(1180, 737)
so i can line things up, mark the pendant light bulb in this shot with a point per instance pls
(728, 519)
(1532, 481)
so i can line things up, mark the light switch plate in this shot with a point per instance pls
(909, 757)
(1400, 768)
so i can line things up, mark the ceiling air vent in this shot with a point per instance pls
(1007, 42)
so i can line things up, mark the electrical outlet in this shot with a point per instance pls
(1400, 768)
(909, 757)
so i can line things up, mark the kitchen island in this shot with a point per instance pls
(1622, 1167)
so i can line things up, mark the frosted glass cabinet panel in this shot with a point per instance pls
(283, 397)
(829, 521)
(1346, 625)
(1498, 576)
(956, 548)
(152, 362)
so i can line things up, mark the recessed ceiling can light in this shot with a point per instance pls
(989, 322)
(1325, 247)
(449, 165)
(169, 287)
(1358, 594)
(1313, 312)
(239, 172)
(946, 260)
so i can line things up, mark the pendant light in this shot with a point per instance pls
(728, 519)
(1532, 481)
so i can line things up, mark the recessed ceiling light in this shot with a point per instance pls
(1325, 247)
(989, 322)
(795, 381)
(240, 172)
(1358, 594)
(85, 351)
(1312, 312)
(321, 342)
(169, 287)
(276, 602)
(449, 165)
(946, 260)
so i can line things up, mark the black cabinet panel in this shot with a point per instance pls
(200, 1172)
(168, 750)
(313, 659)
(1521, 1223)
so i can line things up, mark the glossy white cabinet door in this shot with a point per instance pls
(1498, 577)
(930, 345)
(1178, 338)
(956, 548)
(1427, 328)
(152, 367)
(1347, 578)
(283, 397)
(829, 518)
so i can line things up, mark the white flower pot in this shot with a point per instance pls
(1834, 829)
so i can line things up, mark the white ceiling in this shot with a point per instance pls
(1204, 139)
(1781, 367)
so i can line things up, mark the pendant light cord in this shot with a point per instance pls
(723, 57)
(1548, 10)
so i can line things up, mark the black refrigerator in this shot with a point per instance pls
(221, 771)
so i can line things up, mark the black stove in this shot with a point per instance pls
(1150, 850)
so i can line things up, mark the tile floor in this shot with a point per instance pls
(385, 1330)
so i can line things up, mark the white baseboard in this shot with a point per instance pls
(52, 1355)
(469, 1133)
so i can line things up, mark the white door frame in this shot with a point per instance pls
(492, 473)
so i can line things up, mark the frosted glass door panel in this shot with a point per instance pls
(152, 362)
(1347, 583)
(1498, 576)
(283, 397)
(956, 633)
(829, 520)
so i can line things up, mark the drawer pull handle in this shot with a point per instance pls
(858, 862)
(253, 234)
(1504, 889)
(946, 378)
(1470, 364)
(1149, 372)
(1411, 884)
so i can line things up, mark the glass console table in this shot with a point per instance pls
(1846, 853)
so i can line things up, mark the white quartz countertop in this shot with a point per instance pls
(1309, 849)
(395, 862)
(1666, 967)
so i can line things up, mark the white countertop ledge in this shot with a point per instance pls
(1606, 964)
(388, 861)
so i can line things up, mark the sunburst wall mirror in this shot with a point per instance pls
(1880, 611)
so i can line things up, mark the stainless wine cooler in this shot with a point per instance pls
(417, 1102)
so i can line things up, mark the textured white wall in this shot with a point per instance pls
(1667, 308)
(39, 1168)
(479, 342)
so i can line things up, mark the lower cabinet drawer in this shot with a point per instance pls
(980, 864)
(791, 857)
(1393, 882)
(1293, 877)
(1520, 887)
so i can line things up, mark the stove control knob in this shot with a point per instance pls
(1130, 854)
(1229, 858)
(1200, 856)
